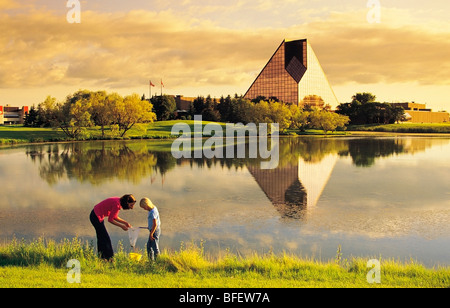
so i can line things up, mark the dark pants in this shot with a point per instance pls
(104, 246)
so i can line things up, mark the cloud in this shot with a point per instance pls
(8, 4)
(125, 49)
(390, 52)
(120, 49)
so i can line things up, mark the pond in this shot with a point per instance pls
(381, 197)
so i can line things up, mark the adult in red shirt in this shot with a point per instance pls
(110, 208)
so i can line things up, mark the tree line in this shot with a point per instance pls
(119, 114)
(86, 109)
(262, 110)
(364, 109)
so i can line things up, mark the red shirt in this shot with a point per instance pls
(108, 208)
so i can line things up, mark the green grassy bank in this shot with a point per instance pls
(406, 128)
(42, 263)
(162, 130)
(20, 134)
(157, 130)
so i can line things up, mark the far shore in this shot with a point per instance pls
(393, 134)
(17, 134)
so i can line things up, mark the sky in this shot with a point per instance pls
(219, 47)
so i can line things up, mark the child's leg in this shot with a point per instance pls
(150, 249)
(153, 246)
(156, 243)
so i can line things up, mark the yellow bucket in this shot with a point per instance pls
(135, 256)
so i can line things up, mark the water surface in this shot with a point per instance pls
(374, 197)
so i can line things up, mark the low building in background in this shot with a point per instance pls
(419, 113)
(12, 115)
(183, 104)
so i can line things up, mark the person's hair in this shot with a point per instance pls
(146, 201)
(125, 200)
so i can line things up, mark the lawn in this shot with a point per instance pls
(162, 130)
(42, 263)
(157, 130)
(20, 134)
(411, 128)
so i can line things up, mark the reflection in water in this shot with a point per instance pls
(306, 164)
(283, 188)
(97, 163)
(369, 195)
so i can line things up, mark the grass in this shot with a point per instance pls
(15, 134)
(158, 130)
(162, 130)
(20, 134)
(411, 128)
(42, 263)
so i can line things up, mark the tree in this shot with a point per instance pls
(117, 111)
(300, 118)
(398, 114)
(365, 110)
(101, 109)
(225, 108)
(210, 112)
(312, 101)
(31, 118)
(73, 115)
(280, 113)
(133, 110)
(198, 105)
(328, 121)
(47, 112)
(364, 98)
(242, 111)
(164, 107)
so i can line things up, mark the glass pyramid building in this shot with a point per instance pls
(294, 75)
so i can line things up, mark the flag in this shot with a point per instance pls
(151, 84)
(162, 83)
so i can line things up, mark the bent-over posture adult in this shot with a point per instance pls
(110, 208)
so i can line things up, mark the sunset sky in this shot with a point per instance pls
(219, 47)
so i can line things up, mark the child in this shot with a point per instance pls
(154, 225)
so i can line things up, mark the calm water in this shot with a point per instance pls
(375, 197)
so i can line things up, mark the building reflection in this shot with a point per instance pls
(306, 164)
(283, 188)
(294, 188)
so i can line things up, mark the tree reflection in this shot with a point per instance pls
(97, 163)
(303, 172)
(364, 152)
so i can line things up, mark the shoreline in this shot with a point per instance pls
(12, 141)
(160, 131)
(394, 134)
(44, 264)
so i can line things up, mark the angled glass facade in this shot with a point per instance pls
(293, 75)
(275, 80)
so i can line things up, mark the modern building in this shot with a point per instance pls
(294, 75)
(419, 113)
(12, 115)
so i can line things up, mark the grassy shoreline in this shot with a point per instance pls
(18, 134)
(42, 263)
(162, 130)
(404, 128)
